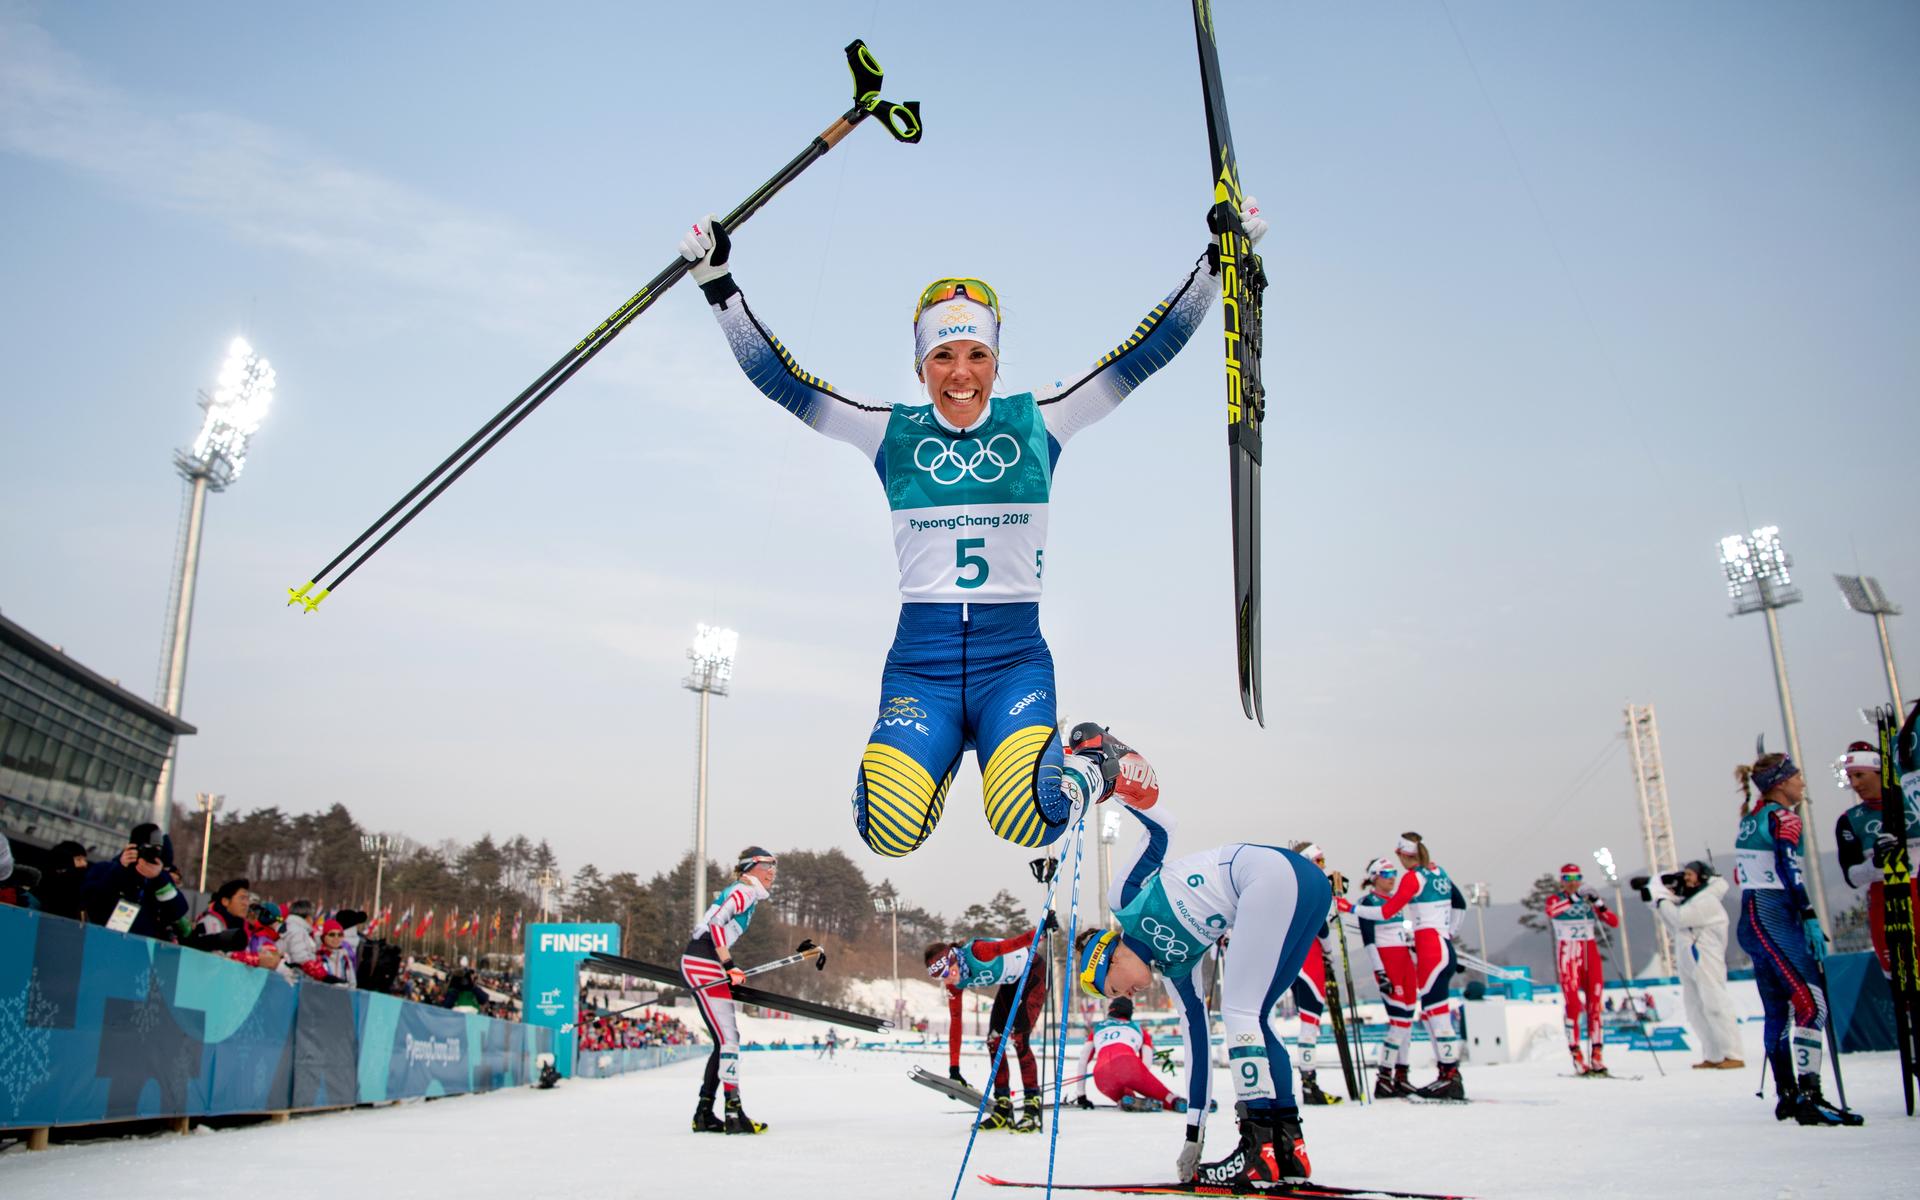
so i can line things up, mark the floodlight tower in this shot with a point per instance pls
(712, 657)
(1759, 580)
(234, 412)
(1863, 595)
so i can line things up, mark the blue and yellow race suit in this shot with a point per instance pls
(968, 666)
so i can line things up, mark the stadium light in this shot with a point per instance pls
(1862, 594)
(233, 414)
(1760, 579)
(1604, 857)
(889, 906)
(712, 657)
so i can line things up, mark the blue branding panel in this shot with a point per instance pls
(550, 989)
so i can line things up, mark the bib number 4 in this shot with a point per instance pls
(966, 560)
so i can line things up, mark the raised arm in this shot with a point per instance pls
(1156, 831)
(767, 364)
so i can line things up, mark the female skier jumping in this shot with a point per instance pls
(1781, 931)
(967, 475)
(707, 966)
(1274, 904)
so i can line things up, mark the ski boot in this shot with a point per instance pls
(1811, 1108)
(1000, 1116)
(737, 1119)
(1388, 1086)
(1310, 1092)
(1595, 1067)
(1179, 1104)
(703, 1119)
(1266, 1156)
(1029, 1121)
(1579, 1060)
(1786, 1089)
(1447, 1086)
(1123, 771)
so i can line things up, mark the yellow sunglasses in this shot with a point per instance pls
(948, 289)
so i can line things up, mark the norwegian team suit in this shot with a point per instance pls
(1773, 907)
(998, 964)
(1274, 902)
(720, 926)
(968, 666)
(1389, 942)
(1434, 908)
(1577, 957)
(1856, 837)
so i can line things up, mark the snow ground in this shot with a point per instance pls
(856, 1127)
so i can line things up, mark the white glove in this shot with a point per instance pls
(1188, 1164)
(1252, 222)
(707, 247)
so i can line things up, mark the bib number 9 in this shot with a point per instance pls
(967, 561)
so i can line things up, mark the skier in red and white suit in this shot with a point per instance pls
(1433, 907)
(1115, 1059)
(1310, 989)
(1574, 915)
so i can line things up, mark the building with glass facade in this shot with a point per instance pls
(79, 754)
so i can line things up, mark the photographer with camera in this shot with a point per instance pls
(134, 893)
(1691, 901)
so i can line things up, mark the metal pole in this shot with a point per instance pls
(1815, 875)
(1886, 660)
(1480, 915)
(893, 909)
(700, 818)
(379, 872)
(206, 837)
(177, 648)
(1626, 947)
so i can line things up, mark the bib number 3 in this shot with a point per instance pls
(964, 559)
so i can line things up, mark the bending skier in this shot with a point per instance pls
(1430, 900)
(1274, 904)
(1389, 942)
(1574, 915)
(984, 962)
(1781, 931)
(708, 960)
(967, 475)
(1115, 1059)
(1864, 845)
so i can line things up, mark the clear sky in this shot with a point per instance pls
(1561, 294)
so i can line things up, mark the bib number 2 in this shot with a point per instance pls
(964, 559)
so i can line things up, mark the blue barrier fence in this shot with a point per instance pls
(104, 1026)
(594, 1064)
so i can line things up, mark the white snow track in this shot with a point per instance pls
(856, 1126)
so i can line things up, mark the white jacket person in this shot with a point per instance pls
(1699, 924)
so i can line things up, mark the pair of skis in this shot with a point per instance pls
(1242, 282)
(1288, 1191)
(748, 995)
(1347, 1025)
(1900, 758)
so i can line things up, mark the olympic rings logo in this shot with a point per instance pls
(1167, 942)
(902, 706)
(949, 465)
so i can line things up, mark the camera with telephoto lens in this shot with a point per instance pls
(1676, 883)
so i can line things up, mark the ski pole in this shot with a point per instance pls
(806, 950)
(1626, 985)
(1833, 1038)
(901, 120)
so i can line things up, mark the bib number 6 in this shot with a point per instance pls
(967, 561)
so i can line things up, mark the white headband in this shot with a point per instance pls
(1860, 758)
(1311, 852)
(1409, 848)
(959, 319)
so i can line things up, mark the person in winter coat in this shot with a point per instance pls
(61, 883)
(335, 958)
(1696, 912)
(298, 942)
(140, 877)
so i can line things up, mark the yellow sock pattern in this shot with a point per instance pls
(902, 802)
(1013, 811)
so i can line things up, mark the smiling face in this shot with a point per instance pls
(959, 376)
